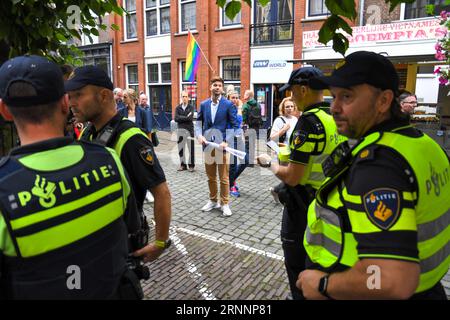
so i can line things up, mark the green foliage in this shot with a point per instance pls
(45, 27)
(339, 9)
(232, 9)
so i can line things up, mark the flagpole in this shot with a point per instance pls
(204, 56)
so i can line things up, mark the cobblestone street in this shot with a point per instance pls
(216, 257)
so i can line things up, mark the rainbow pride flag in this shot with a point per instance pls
(192, 58)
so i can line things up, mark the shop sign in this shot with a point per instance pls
(271, 64)
(399, 31)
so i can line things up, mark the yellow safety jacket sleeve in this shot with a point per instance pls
(379, 196)
(305, 140)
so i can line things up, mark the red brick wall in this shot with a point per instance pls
(215, 44)
(128, 52)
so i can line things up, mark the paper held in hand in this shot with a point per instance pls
(240, 154)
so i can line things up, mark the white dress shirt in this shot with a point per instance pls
(214, 107)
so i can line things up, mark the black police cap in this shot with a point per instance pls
(88, 75)
(42, 74)
(301, 76)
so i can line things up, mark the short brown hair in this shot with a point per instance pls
(215, 79)
(34, 114)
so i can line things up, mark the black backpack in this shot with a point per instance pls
(254, 118)
(280, 138)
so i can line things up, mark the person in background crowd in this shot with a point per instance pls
(241, 142)
(408, 102)
(184, 115)
(281, 131)
(143, 103)
(251, 111)
(118, 97)
(285, 123)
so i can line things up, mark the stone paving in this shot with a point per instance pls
(216, 257)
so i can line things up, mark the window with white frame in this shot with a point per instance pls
(188, 15)
(153, 73)
(132, 77)
(130, 20)
(189, 87)
(157, 17)
(317, 8)
(231, 73)
(226, 22)
(418, 9)
(165, 73)
(159, 87)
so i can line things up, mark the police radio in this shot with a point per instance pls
(105, 136)
(337, 160)
(139, 240)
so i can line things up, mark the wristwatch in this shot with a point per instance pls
(163, 244)
(323, 286)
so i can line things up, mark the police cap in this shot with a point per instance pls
(42, 74)
(88, 75)
(301, 76)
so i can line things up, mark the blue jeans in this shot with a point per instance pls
(237, 166)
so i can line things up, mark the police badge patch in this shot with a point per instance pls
(299, 138)
(147, 155)
(382, 207)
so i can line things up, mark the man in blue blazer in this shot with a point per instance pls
(216, 115)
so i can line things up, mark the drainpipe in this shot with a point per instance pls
(361, 12)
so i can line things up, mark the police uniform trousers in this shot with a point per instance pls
(293, 226)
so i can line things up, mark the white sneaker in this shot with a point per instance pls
(149, 197)
(226, 211)
(210, 205)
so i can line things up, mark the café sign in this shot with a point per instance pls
(394, 32)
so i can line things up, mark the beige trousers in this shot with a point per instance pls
(216, 160)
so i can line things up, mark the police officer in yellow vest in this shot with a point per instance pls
(313, 139)
(379, 226)
(91, 99)
(64, 206)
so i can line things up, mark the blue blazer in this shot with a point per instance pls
(226, 118)
(143, 118)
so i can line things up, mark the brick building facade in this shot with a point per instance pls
(257, 50)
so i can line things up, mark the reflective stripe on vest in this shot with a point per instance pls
(314, 175)
(430, 216)
(124, 136)
(53, 208)
(433, 203)
(122, 140)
